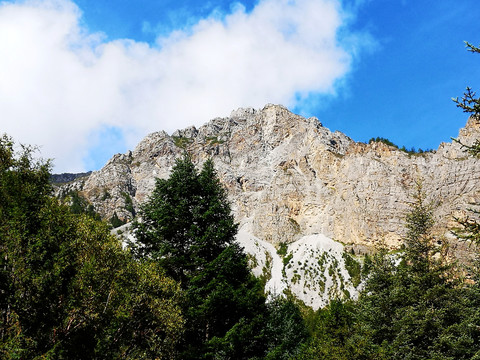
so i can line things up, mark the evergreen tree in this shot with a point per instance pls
(187, 226)
(285, 330)
(469, 230)
(413, 306)
(471, 105)
(332, 333)
(470, 226)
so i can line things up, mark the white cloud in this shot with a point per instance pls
(60, 84)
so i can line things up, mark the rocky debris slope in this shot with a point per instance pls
(289, 178)
(314, 268)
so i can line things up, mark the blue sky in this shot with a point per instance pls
(86, 79)
(402, 91)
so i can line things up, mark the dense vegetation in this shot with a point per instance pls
(68, 290)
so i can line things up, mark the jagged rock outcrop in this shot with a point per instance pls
(289, 177)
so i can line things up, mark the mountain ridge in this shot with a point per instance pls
(250, 149)
(289, 178)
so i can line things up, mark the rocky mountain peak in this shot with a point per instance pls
(290, 179)
(290, 176)
(470, 133)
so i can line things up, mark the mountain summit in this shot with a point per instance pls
(292, 181)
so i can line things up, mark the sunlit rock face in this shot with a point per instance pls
(289, 179)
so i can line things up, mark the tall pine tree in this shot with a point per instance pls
(413, 305)
(187, 226)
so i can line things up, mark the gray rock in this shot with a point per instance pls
(289, 177)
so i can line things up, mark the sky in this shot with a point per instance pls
(86, 79)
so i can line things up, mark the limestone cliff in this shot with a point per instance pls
(289, 177)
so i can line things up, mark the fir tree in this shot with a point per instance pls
(187, 226)
(471, 105)
(413, 305)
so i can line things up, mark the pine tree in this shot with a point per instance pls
(470, 226)
(285, 329)
(187, 226)
(414, 306)
(471, 105)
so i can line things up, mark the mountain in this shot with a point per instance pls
(67, 177)
(302, 194)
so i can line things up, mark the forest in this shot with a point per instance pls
(183, 289)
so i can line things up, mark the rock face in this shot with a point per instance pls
(289, 178)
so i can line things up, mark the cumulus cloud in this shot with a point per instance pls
(61, 85)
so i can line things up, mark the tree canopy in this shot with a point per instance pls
(188, 228)
(67, 288)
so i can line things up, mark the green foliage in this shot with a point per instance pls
(294, 224)
(287, 259)
(68, 289)
(80, 205)
(471, 105)
(116, 221)
(106, 195)
(188, 228)
(332, 329)
(419, 243)
(367, 266)
(354, 269)
(128, 203)
(266, 270)
(213, 140)
(469, 228)
(187, 221)
(383, 140)
(282, 249)
(285, 330)
(469, 102)
(181, 142)
(411, 151)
